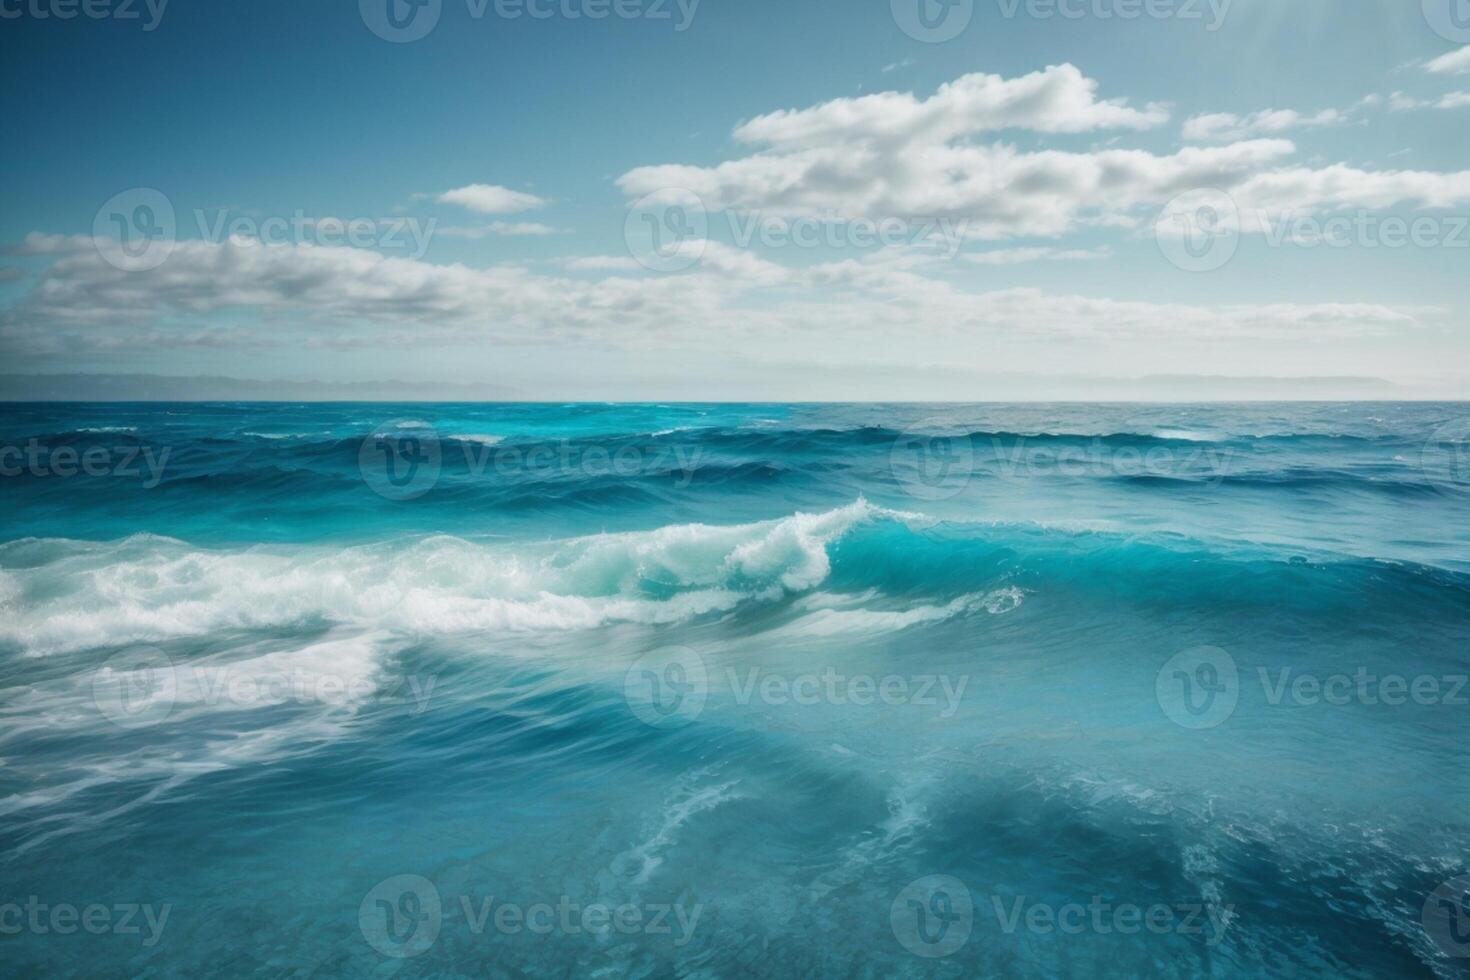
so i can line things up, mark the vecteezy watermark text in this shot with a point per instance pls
(88, 9)
(1200, 688)
(1211, 13)
(670, 686)
(97, 919)
(138, 229)
(934, 916)
(402, 917)
(404, 21)
(1103, 916)
(1200, 230)
(937, 21)
(404, 459)
(829, 686)
(130, 462)
(668, 230)
(141, 687)
(409, 235)
(935, 466)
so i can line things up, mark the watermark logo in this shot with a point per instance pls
(136, 230)
(400, 21)
(1445, 457)
(401, 459)
(667, 688)
(135, 688)
(932, 21)
(1447, 917)
(1198, 688)
(932, 467)
(1450, 19)
(1199, 231)
(932, 917)
(401, 916)
(668, 230)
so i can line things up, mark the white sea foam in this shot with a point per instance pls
(691, 797)
(151, 589)
(477, 438)
(825, 622)
(287, 435)
(1186, 435)
(210, 707)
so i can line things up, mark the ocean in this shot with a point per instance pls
(586, 690)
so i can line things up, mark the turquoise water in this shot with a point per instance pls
(720, 691)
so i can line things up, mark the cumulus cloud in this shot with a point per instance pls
(344, 297)
(308, 283)
(955, 155)
(1059, 99)
(999, 190)
(491, 199)
(1454, 63)
(895, 156)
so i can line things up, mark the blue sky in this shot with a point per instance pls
(1041, 148)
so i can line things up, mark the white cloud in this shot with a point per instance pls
(876, 157)
(491, 199)
(40, 243)
(999, 190)
(1017, 256)
(1223, 127)
(1058, 100)
(1454, 63)
(602, 263)
(502, 228)
(337, 283)
(344, 297)
(1399, 102)
(893, 156)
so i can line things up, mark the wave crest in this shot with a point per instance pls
(66, 597)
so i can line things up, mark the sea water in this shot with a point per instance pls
(734, 690)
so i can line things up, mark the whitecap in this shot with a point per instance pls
(482, 440)
(151, 589)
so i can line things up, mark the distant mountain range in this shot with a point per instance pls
(152, 387)
(946, 385)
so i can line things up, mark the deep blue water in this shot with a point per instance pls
(735, 690)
